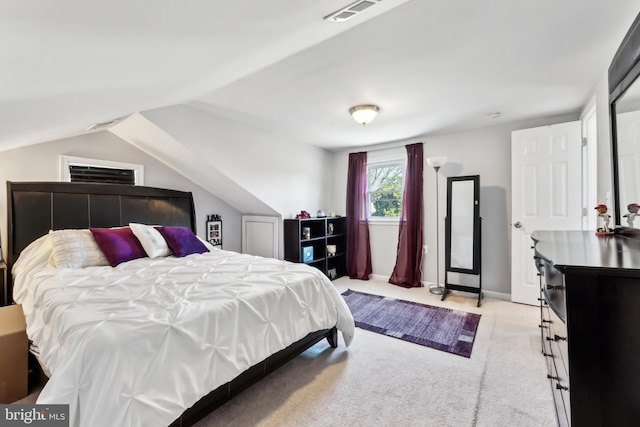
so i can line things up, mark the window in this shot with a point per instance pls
(385, 183)
(78, 169)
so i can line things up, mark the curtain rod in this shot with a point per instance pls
(388, 148)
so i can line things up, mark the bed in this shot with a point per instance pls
(154, 341)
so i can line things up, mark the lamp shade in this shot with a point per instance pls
(437, 162)
(363, 114)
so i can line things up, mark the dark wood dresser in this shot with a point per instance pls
(590, 323)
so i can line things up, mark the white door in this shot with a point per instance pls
(260, 235)
(545, 195)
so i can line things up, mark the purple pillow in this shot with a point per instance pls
(118, 244)
(182, 241)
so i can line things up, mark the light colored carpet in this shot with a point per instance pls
(384, 381)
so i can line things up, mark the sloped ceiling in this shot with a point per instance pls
(433, 66)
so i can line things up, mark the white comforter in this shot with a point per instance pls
(137, 344)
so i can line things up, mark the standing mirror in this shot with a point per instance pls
(462, 232)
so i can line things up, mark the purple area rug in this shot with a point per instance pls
(444, 329)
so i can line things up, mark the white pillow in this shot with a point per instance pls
(75, 249)
(151, 240)
(36, 254)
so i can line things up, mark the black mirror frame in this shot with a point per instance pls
(476, 225)
(623, 71)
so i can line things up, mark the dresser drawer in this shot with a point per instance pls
(553, 289)
(561, 401)
(555, 349)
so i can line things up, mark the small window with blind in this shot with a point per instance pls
(78, 169)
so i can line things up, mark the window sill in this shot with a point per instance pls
(384, 221)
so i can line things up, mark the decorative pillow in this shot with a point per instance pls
(38, 253)
(118, 244)
(208, 245)
(75, 249)
(182, 241)
(151, 240)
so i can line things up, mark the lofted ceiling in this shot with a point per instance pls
(433, 66)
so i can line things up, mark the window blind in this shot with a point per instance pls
(97, 174)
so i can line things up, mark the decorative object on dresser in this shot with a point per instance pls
(463, 234)
(633, 209)
(214, 230)
(604, 219)
(436, 163)
(308, 240)
(590, 292)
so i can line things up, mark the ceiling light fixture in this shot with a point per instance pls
(363, 114)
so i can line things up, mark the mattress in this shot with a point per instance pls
(137, 344)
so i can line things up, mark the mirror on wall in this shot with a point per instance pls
(624, 97)
(627, 110)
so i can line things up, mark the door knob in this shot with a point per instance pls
(517, 224)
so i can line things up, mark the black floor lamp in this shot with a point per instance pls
(436, 163)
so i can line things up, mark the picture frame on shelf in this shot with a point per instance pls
(214, 230)
(307, 253)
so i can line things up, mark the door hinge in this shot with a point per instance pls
(584, 142)
(584, 211)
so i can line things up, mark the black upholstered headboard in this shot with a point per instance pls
(34, 208)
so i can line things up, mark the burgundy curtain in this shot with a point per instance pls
(408, 271)
(358, 246)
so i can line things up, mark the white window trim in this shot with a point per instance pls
(66, 161)
(387, 161)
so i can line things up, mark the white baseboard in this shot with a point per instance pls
(487, 294)
(380, 277)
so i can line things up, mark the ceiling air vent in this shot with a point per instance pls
(350, 11)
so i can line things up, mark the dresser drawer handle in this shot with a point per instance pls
(554, 287)
(559, 338)
(561, 387)
(551, 377)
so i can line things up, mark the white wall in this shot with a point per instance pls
(286, 175)
(485, 152)
(40, 162)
